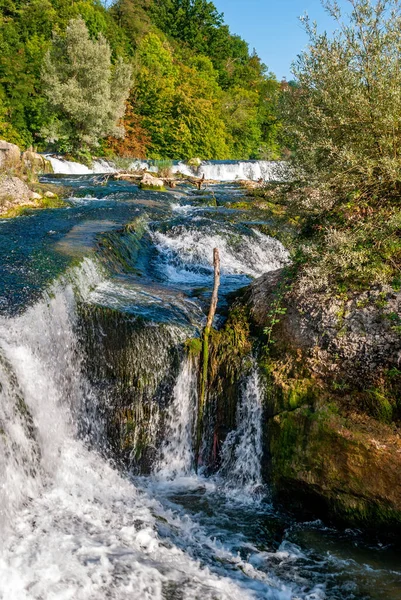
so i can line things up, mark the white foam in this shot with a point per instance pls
(217, 171)
(239, 254)
(176, 455)
(67, 167)
(242, 450)
(76, 529)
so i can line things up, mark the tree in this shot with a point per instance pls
(191, 21)
(344, 116)
(132, 16)
(136, 141)
(86, 94)
(180, 104)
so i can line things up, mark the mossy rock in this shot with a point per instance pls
(323, 464)
(152, 188)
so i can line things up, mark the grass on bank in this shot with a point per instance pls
(351, 247)
(25, 209)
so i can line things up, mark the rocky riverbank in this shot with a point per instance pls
(333, 401)
(19, 189)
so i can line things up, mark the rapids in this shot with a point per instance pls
(214, 170)
(76, 523)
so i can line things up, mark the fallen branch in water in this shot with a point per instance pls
(171, 182)
(205, 353)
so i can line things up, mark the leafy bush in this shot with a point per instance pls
(344, 116)
(164, 167)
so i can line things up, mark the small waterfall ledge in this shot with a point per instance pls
(222, 171)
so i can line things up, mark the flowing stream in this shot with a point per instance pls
(97, 300)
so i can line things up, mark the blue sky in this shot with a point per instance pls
(273, 28)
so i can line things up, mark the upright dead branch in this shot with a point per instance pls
(215, 297)
(200, 182)
(205, 352)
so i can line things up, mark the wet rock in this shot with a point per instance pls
(150, 182)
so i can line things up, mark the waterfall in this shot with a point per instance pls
(242, 449)
(242, 170)
(176, 454)
(185, 252)
(40, 389)
(69, 167)
(71, 525)
(224, 171)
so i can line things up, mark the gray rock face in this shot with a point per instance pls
(36, 162)
(333, 409)
(10, 154)
(355, 336)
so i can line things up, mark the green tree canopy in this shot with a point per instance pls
(189, 70)
(86, 94)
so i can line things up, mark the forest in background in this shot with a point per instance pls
(133, 78)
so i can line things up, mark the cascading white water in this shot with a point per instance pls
(242, 170)
(242, 450)
(216, 171)
(248, 255)
(39, 373)
(176, 455)
(72, 527)
(68, 167)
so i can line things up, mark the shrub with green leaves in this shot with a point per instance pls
(344, 116)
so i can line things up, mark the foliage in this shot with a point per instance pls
(86, 94)
(345, 114)
(164, 167)
(350, 250)
(197, 90)
(135, 141)
(192, 21)
(25, 36)
(178, 104)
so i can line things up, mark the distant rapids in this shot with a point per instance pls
(217, 170)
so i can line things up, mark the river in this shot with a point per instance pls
(75, 522)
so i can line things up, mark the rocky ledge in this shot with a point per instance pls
(333, 400)
(15, 169)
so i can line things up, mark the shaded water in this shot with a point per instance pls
(73, 525)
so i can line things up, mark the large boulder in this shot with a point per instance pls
(36, 162)
(152, 183)
(14, 192)
(10, 155)
(333, 399)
